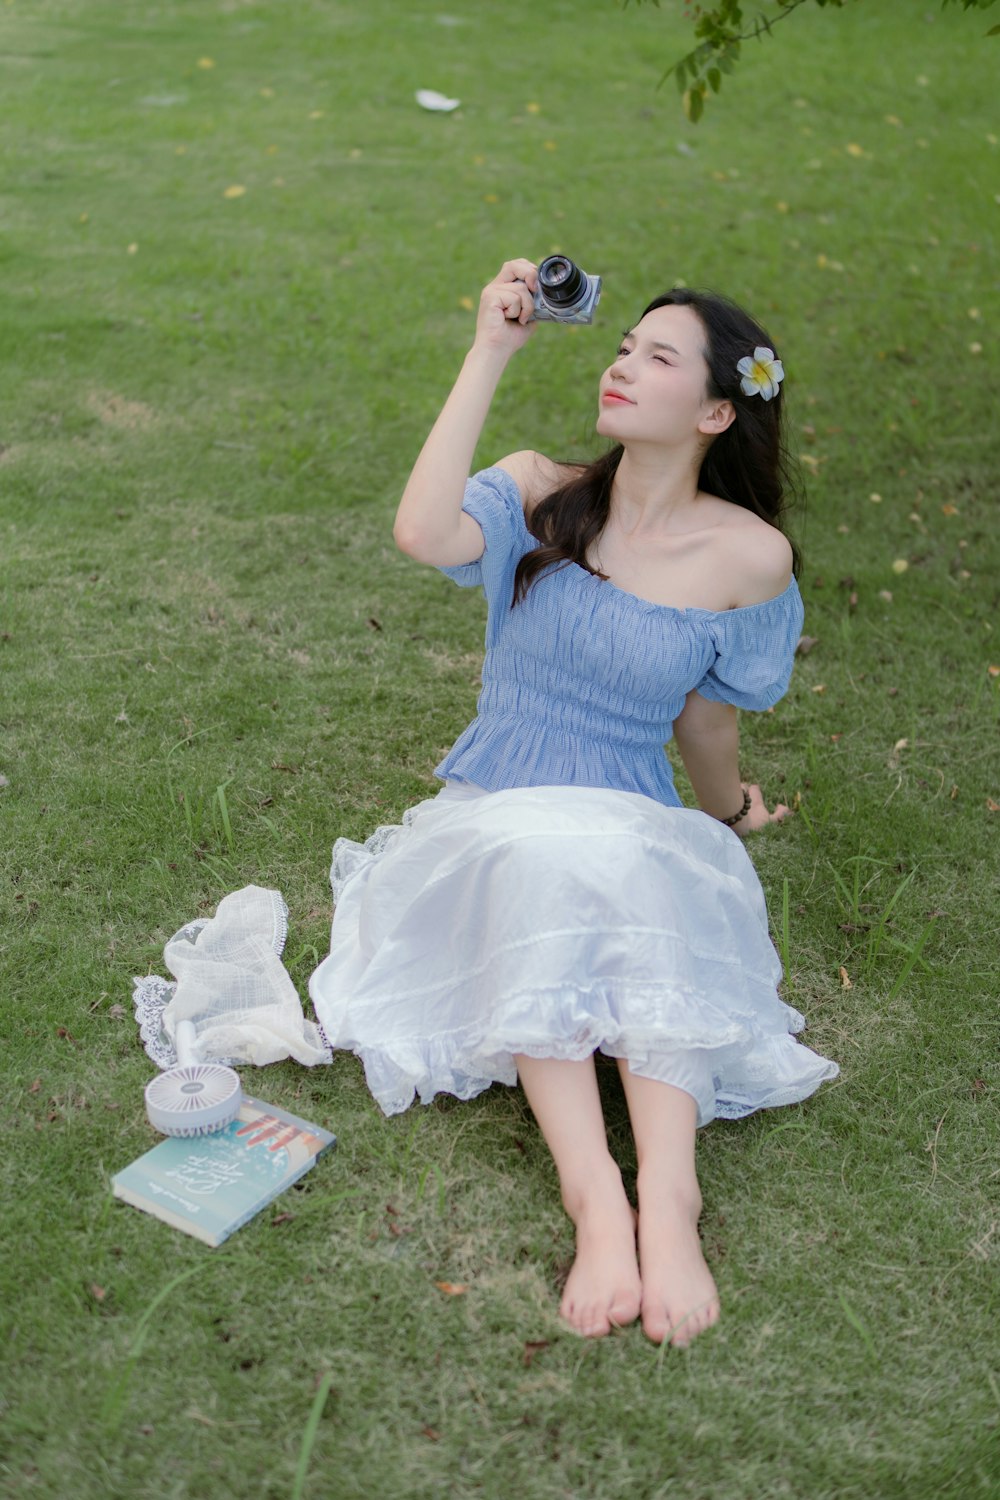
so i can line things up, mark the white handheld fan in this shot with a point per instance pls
(193, 1098)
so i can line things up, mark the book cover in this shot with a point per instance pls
(210, 1185)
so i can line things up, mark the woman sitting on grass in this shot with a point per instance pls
(555, 899)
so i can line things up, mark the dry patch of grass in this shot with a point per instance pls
(120, 412)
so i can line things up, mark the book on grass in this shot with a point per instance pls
(210, 1185)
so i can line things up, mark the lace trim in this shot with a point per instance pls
(279, 912)
(350, 857)
(149, 998)
(151, 993)
(395, 1084)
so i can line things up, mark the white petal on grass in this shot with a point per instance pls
(431, 99)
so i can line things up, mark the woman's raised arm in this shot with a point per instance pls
(430, 523)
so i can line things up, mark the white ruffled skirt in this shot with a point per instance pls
(556, 922)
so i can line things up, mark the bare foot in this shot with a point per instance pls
(603, 1290)
(679, 1297)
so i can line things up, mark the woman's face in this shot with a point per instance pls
(655, 391)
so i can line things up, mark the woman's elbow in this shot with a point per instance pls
(405, 537)
(413, 540)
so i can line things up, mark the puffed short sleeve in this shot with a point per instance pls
(493, 499)
(755, 649)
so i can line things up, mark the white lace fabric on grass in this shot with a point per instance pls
(231, 985)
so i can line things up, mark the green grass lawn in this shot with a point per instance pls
(209, 402)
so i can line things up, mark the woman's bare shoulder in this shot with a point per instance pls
(766, 561)
(759, 555)
(536, 475)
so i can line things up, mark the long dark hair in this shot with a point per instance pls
(747, 464)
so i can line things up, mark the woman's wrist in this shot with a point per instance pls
(756, 814)
(485, 359)
(740, 813)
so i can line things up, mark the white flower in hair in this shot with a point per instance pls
(761, 372)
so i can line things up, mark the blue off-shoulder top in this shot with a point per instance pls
(582, 682)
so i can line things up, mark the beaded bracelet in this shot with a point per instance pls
(728, 822)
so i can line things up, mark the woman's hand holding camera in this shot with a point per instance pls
(506, 308)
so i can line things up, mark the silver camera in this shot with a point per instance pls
(565, 293)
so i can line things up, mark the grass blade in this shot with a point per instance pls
(111, 1406)
(878, 932)
(309, 1436)
(856, 1323)
(213, 868)
(223, 806)
(912, 960)
(807, 820)
(308, 950)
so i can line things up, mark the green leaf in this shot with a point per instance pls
(694, 105)
(714, 79)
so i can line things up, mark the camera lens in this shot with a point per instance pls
(561, 282)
